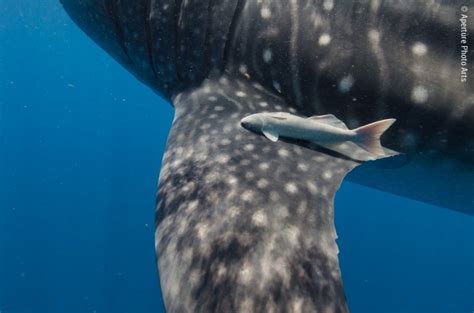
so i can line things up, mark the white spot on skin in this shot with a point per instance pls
(194, 277)
(265, 12)
(221, 270)
(249, 175)
(225, 141)
(328, 5)
(249, 147)
(263, 104)
(176, 164)
(283, 153)
(324, 39)
(202, 230)
(317, 20)
(327, 174)
(193, 205)
(245, 162)
(262, 183)
(274, 196)
(291, 188)
(374, 35)
(246, 306)
(292, 233)
(302, 167)
(232, 180)
(189, 187)
(374, 5)
(227, 129)
(264, 166)
(205, 126)
(248, 195)
(224, 81)
(281, 268)
(324, 191)
(223, 158)
(240, 94)
(312, 188)
(345, 84)
(267, 55)
(297, 305)
(212, 98)
(243, 69)
(259, 218)
(419, 49)
(245, 274)
(419, 94)
(233, 211)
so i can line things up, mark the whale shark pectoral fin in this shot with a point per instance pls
(270, 134)
(329, 119)
(225, 203)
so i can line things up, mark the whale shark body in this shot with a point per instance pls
(244, 224)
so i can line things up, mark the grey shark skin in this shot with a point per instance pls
(244, 224)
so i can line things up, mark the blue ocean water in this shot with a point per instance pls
(81, 143)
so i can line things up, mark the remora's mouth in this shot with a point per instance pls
(245, 124)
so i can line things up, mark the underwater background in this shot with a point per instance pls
(81, 142)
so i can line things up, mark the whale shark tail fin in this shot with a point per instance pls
(368, 136)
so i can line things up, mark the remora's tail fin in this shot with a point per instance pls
(368, 136)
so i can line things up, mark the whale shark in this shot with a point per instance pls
(244, 224)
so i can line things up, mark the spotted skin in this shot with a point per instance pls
(361, 61)
(245, 224)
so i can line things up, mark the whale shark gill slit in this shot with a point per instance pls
(112, 10)
(150, 45)
(229, 44)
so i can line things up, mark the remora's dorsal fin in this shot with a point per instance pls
(329, 119)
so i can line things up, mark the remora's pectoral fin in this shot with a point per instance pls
(270, 134)
(329, 119)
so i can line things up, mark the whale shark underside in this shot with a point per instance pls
(247, 225)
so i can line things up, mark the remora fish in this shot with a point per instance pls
(327, 131)
(242, 224)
